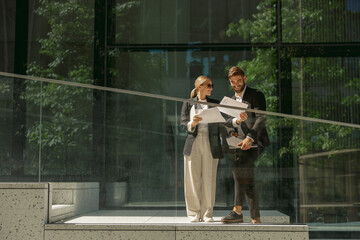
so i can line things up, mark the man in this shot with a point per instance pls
(251, 128)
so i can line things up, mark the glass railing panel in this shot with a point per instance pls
(132, 144)
(66, 132)
(328, 177)
(143, 150)
(20, 107)
(6, 119)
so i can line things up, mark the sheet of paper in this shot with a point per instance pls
(211, 115)
(231, 102)
(234, 141)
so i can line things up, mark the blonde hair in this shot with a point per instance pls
(199, 81)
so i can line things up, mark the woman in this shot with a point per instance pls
(201, 155)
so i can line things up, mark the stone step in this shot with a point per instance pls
(62, 211)
(171, 224)
(163, 216)
(178, 231)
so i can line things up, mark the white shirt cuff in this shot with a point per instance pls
(189, 128)
(234, 122)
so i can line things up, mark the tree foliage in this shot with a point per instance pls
(302, 21)
(64, 130)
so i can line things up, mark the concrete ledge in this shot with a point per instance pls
(216, 226)
(164, 216)
(67, 200)
(23, 185)
(185, 231)
(23, 210)
(62, 211)
(169, 224)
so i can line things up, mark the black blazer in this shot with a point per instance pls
(254, 126)
(214, 132)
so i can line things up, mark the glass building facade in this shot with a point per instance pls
(303, 55)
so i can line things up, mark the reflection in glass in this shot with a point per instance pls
(7, 162)
(66, 129)
(132, 145)
(320, 21)
(313, 179)
(326, 88)
(329, 186)
(172, 73)
(140, 149)
(61, 43)
(205, 21)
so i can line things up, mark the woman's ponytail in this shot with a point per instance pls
(193, 93)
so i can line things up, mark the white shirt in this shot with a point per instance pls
(240, 99)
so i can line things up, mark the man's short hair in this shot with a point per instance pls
(236, 71)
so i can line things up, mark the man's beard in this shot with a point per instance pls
(241, 89)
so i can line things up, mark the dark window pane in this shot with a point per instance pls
(320, 21)
(327, 88)
(7, 35)
(202, 21)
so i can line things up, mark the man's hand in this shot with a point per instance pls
(243, 116)
(196, 120)
(246, 144)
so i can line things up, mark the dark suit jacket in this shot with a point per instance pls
(254, 125)
(214, 133)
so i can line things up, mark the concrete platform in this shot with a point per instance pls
(167, 224)
(28, 209)
(164, 216)
(185, 231)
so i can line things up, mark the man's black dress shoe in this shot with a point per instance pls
(233, 217)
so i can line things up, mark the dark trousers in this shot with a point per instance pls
(244, 179)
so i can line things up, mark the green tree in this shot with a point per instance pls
(67, 112)
(66, 52)
(261, 70)
(65, 132)
(302, 21)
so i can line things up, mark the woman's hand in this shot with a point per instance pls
(243, 116)
(195, 121)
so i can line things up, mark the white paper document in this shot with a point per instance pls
(230, 111)
(211, 115)
(234, 141)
